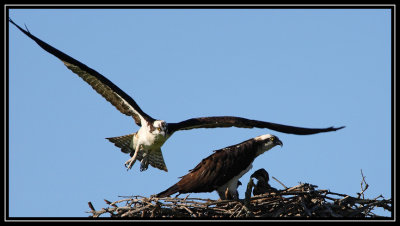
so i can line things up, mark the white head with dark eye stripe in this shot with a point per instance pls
(160, 128)
(267, 141)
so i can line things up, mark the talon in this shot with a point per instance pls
(144, 163)
(144, 166)
(132, 160)
(129, 163)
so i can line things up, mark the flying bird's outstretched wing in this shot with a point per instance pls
(124, 103)
(152, 136)
(229, 121)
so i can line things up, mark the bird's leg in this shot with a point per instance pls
(145, 162)
(227, 194)
(132, 160)
(222, 195)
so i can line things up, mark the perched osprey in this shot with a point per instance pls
(145, 144)
(262, 185)
(222, 170)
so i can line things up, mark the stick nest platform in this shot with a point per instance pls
(301, 201)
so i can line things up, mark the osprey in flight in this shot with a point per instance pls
(145, 144)
(222, 170)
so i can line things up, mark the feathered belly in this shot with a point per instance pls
(149, 141)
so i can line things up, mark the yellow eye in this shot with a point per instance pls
(159, 129)
(272, 138)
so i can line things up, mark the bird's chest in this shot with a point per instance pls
(149, 140)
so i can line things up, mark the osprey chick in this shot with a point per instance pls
(262, 185)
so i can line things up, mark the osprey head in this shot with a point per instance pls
(267, 141)
(160, 128)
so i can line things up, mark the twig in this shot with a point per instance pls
(364, 186)
(302, 200)
(91, 206)
(279, 182)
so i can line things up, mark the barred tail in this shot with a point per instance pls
(155, 157)
(172, 190)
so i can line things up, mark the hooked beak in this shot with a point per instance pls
(278, 142)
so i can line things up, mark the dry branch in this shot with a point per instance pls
(303, 201)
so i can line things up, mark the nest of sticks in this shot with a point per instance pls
(301, 201)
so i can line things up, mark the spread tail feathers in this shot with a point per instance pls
(155, 157)
(172, 190)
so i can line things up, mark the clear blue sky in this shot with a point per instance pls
(309, 68)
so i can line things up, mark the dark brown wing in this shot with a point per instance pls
(229, 121)
(124, 103)
(217, 169)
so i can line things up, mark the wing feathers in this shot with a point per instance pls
(229, 121)
(217, 169)
(124, 103)
(172, 190)
(123, 142)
